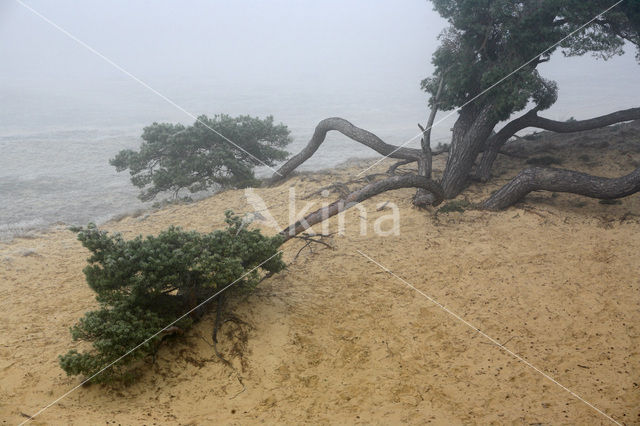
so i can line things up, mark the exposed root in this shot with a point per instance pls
(267, 275)
(228, 364)
(423, 199)
(561, 180)
(244, 388)
(214, 335)
(169, 331)
(513, 154)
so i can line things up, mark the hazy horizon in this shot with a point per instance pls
(66, 112)
(249, 57)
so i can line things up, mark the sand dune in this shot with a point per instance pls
(335, 339)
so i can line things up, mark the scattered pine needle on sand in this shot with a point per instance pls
(335, 339)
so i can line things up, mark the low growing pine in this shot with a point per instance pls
(144, 284)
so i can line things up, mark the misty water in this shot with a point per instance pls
(64, 112)
(55, 150)
(58, 170)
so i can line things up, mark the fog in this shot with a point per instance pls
(301, 61)
(66, 111)
(201, 53)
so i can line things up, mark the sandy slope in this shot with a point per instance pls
(335, 339)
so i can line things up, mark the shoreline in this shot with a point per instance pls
(334, 339)
(30, 229)
(529, 144)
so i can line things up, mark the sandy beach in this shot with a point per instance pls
(336, 339)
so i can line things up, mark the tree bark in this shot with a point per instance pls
(346, 128)
(531, 119)
(392, 170)
(373, 189)
(471, 130)
(425, 143)
(561, 180)
(423, 198)
(497, 140)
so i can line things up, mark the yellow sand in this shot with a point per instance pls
(335, 339)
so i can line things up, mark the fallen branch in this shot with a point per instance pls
(310, 239)
(383, 206)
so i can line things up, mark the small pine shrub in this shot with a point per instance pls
(144, 284)
(173, 157)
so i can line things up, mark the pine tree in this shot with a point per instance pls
(145, 284)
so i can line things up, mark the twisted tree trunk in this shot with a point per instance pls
(373, 189)
(497, 140)
(470, 137)
(531, 119)
(560, 180)
(471, 130)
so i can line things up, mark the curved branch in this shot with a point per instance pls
(531, 119)
(561, 180)
(588, 124)
(371, 190)
(349, 130)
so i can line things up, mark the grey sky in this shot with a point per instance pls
(263, 42)
(325, 54)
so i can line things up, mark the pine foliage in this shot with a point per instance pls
(145, 284)
(218, 152)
